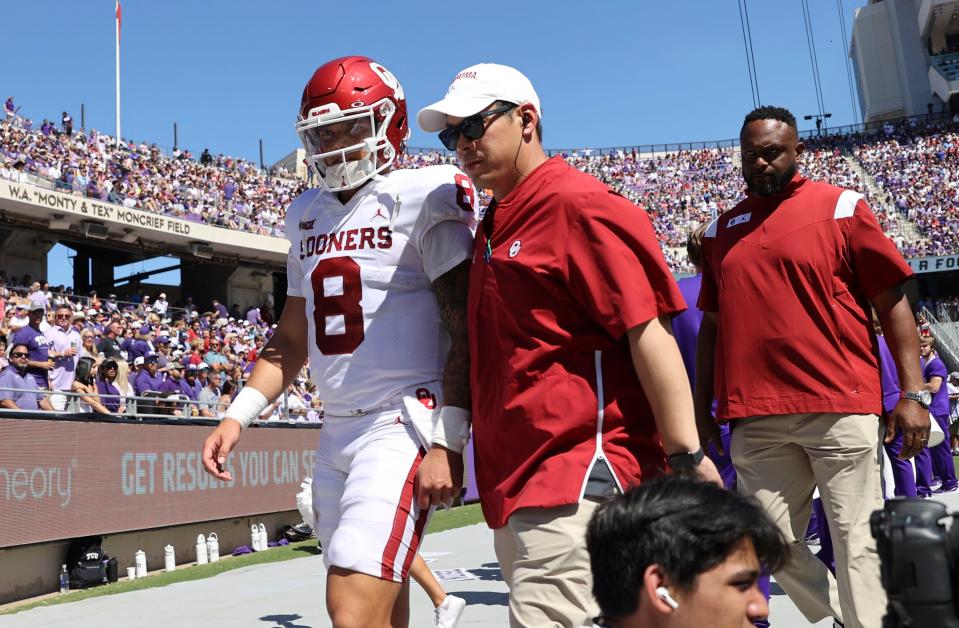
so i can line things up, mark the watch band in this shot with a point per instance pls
(685, 462)
(922, 397)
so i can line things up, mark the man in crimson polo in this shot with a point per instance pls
(786, 343)
(579, 389)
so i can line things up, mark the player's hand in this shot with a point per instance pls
(914, 420)
(707, 472)
(439, 478)
(709, 434)
(217, 447)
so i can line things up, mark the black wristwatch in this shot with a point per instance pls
(685, 463)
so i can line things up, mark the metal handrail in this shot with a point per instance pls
(73, 400)
(947, 339)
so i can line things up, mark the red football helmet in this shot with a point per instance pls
(352, 121)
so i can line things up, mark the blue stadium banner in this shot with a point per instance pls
(934, 264)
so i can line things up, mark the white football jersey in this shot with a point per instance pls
(365, 269)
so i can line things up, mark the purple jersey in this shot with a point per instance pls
(37, 345)
(940, 400)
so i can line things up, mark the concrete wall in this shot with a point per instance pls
(872, 52)
(24, 252)
(31, 570)
(911, 59)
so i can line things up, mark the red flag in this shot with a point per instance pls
(119, 19)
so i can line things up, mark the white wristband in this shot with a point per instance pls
(452, 428)
(248, 406)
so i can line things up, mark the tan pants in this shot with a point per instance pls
(780, 460)
(543, 558)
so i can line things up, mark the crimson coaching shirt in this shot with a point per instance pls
(572, 267)
(790, 276)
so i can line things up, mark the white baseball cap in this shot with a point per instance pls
(475, 89)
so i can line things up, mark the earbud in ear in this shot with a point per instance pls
(526, 119)
(663, 594)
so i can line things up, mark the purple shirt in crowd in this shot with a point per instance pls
(10, 377)
(146, 382)
(940, 400)
(888, 376)
(110, 395)
(39, 351)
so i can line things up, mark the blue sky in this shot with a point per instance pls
(608, 73)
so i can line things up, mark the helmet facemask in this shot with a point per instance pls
(348, 148)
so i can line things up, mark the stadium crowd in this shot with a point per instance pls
(913, 163)
(216, 190)
(917, 166)
(110, 352)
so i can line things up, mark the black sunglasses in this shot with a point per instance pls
(472, 128)
(19, 355)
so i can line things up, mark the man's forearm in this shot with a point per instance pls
(451, 291)
(659, 367)
(276, 368)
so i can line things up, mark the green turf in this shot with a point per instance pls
(455, 518)
(442, 520)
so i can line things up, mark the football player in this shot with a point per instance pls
(377, 275)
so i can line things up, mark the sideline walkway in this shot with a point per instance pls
(290, 595)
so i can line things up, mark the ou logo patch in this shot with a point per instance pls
(515, 247)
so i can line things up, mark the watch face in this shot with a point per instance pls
(925, 397)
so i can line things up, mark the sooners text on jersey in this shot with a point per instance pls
(374, 324)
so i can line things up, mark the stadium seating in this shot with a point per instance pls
(913, 167)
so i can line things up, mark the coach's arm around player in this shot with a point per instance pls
(276, 368)
(440, 476)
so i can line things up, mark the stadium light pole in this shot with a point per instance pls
(820, 119)
(176, 143)
(83, 117)
(261, 156)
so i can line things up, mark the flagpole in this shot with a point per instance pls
(117, 21)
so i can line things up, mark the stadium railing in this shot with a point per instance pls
(946, 333)
(140, 407)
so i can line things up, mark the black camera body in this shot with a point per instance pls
(919, 559)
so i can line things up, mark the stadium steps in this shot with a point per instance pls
(907, 228)
(737, 158)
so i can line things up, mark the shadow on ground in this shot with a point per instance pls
(284, 621)
(485, 598)
(488, 572)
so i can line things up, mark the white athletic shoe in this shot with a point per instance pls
(447, 615)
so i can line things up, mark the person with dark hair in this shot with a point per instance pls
(580, 387)
(84, 384)
(939, 461)
(787, 350)
(110, 395)
(40, 363)
(681, 553)
(17, 386)
(149, 379)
